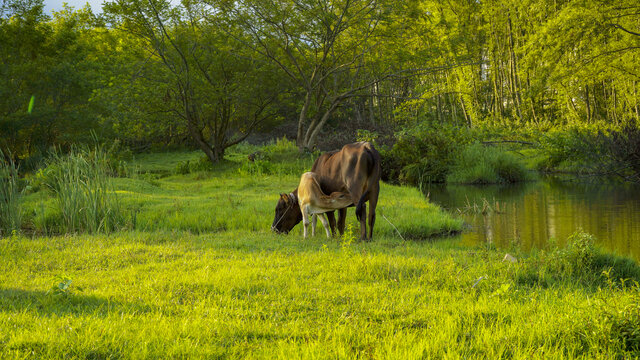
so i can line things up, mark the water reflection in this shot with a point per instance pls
(531, 213)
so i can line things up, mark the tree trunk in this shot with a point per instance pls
(587, 102)
(312, 133)
(514, 72)
(302, 119)
(635, 98)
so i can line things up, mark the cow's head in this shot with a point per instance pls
(288, 214)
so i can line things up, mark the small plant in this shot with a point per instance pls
(10, 196)
(347, 238)
(61, 286)
(579, 252)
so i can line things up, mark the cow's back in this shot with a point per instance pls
(353, 163)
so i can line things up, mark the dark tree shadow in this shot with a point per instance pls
(48, 303)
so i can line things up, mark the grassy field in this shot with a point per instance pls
(196, 273)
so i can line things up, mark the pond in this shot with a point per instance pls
(529, 214)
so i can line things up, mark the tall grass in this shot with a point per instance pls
(10, 196)
(83, 191)
(479, 164)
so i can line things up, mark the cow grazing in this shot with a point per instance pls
(355, 169)
(314, 203)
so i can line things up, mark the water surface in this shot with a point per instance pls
(530, 214)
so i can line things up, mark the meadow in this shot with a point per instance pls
(194, 271)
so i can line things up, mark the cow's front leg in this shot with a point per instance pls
(325, 223)
(332, 222)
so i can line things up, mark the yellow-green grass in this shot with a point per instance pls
(252, 294)
(198, 274)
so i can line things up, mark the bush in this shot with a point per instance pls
(280, 157)
(10, 197)
(422, 154)
(479, 164)
(594, 149)
(186, 167)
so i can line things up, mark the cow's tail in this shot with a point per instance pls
(360, 205)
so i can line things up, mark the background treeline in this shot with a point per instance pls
(424, 79)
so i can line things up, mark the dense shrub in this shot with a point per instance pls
(479, 164)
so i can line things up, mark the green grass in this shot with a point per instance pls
(198, 274)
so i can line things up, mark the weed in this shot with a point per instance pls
(484, 209)
(61, 286)
(348, 238)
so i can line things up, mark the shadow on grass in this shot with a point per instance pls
(48, 304)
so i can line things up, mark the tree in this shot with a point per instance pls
(321, 46)
(220, 94)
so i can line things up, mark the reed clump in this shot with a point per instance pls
(479, 164)
(10, 196)
(84, 196)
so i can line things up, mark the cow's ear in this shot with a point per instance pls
(284, 198)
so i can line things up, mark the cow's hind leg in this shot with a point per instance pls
(373, 201)
(363, 222)
(305, 222)
(361, 209)
(314, 221)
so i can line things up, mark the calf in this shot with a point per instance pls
(314, 202)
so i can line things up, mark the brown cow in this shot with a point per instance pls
(354, 169)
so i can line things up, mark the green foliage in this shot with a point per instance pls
(480, 164)
(367, 135)
(10, 196)
(46, 77)
(82, 188)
